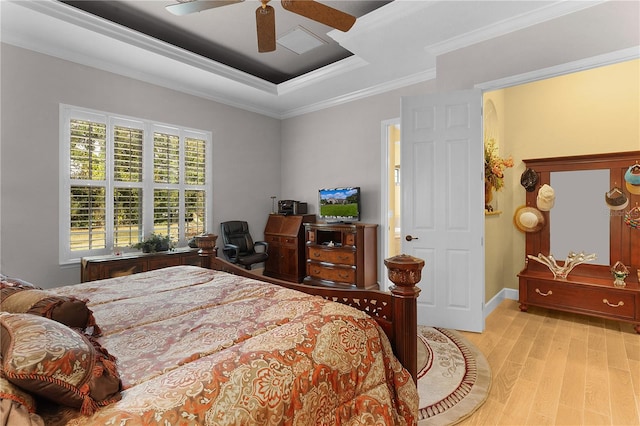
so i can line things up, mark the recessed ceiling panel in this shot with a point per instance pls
(227, 34)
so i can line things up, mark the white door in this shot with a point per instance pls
(443, 205)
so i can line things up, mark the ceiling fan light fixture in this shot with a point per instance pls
(300, 40)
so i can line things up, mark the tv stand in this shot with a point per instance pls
(342, 255)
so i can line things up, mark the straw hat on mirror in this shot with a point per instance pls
(528, 219)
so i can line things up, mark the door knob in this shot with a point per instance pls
(409, 238)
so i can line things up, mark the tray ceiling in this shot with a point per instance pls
(213, 54)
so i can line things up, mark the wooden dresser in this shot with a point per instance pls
(588, 289)
(109, 266)
(342, 255)
(285, 235)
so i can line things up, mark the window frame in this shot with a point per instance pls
(149, 128)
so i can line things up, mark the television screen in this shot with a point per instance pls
(339, 204)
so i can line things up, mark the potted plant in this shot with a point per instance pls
(154, 243)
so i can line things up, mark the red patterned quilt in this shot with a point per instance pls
(202, 347)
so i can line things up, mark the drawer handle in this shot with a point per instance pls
(317, 254)
(620, 303)
(549, 293)
(316, 271)
(343, 257)
(343, 275)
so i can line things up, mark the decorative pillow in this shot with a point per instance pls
(51, 360)
(6, 281)
(16, 406)
(66, 310)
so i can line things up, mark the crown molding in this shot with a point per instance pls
(364, 93)
(563, 69)
(510, 25)
(351, 63)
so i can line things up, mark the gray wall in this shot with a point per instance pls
(246, 150)
(340, 146)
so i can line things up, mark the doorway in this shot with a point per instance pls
(503, 248)
(391, 195)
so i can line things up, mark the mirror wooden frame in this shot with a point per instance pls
(624, 242)
(588, 289)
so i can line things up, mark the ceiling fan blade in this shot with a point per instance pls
(197, 6)
(266, 28)
(320, 13)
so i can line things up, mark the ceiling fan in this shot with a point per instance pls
(265, 16)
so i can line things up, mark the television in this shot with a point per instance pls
(339, 204)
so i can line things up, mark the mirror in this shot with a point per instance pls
(580, 218)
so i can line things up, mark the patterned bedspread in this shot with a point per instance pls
(202, 347)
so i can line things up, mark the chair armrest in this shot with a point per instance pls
(261, 244)
(231, 251)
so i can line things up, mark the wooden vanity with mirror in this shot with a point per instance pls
(582, 218)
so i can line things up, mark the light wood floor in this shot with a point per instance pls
(554, 368)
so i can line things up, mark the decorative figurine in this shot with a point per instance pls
(571, 262)
(620, 272)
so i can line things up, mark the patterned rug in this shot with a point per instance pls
(454, 377)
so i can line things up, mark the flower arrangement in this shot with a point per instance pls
(494, 166)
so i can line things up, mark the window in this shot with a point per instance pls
(124, 178)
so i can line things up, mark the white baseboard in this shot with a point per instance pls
(505, 293)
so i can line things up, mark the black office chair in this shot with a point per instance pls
(239, 247)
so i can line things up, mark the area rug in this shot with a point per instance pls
(454, 377)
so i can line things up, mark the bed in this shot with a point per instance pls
(214, 345)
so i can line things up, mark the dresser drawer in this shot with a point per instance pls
(281, 241)
(331, 273)
(350, 240)
(605, 301)
(332, 255)
(272, 239)
(288, 242)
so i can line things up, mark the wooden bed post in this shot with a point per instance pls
(405, 272)
(207, 245)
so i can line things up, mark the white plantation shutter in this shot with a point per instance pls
(127, 213)
(88, 150)
(195, 202)
(194, 161)
(87, 191)
(195, 178)
(126, 178)
(87, 219)
(166, 158)
(166, 212)
(127, 161)
(128, 143)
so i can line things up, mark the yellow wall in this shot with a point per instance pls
(590, 112)
(498, 241)
(394, 191)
